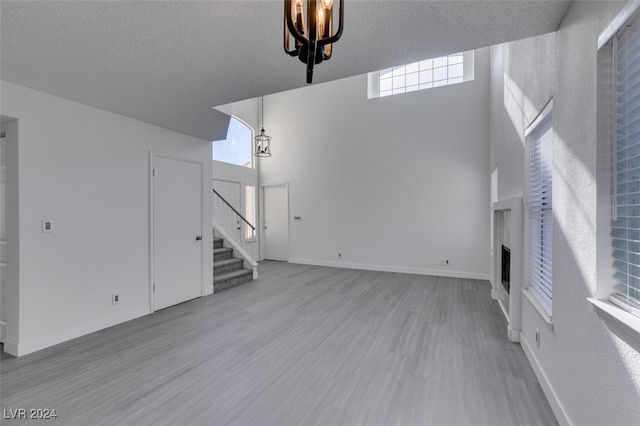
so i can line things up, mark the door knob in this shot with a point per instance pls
(198, 237)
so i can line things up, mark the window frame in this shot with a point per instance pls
(533, 275)
(468, 59)
(619, 320)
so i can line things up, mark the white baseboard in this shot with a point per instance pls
(24, 348)
(3, 330)
(554, 401)
(390, 268)
(10, 347)
(513, 335)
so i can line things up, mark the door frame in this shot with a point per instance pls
(262, 218)
(205, 240)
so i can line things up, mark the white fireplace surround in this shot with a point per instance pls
(507, 231)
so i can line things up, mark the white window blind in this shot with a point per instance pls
(540, 232)
(494, 185)
(625, 227)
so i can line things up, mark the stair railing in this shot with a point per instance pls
(236, 225)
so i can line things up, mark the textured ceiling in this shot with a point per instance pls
(169, 63)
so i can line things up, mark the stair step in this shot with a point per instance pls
(222, 253)
(227, 265)
(218, 242)
(230, 279)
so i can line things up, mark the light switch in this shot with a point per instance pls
(47, 225)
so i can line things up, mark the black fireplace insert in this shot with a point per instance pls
(506, 264)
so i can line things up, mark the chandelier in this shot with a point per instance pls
(308, 30)
(263, 142)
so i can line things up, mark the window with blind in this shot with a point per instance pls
(625, 224)
(494, 185)
(539, 205)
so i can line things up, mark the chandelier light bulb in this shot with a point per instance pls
(314, 44)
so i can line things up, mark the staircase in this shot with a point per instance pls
(227, 271)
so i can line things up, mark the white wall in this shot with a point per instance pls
(87, 170)
(590, 375)
(394, 183)
(233, 173)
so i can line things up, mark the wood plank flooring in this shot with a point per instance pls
(302, 345)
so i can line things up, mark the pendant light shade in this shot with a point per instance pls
(263, 142)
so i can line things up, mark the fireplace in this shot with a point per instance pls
(506, 266)
(507, 262)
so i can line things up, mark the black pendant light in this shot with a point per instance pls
(309, 24)
(263, 142)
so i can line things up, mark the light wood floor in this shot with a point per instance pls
(301, 345)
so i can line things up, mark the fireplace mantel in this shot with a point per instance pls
(512, 230)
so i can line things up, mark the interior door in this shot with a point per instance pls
(3, 234)
(177, 231)
(230, 191)
(276, 223)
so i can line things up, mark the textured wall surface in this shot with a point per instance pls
(393, 183)
(87, 170)
(591, 376)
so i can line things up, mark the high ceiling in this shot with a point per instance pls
(169, 62)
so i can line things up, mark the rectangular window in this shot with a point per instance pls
(617, 296)
(442, 71)
(625, 223)
(539, 208)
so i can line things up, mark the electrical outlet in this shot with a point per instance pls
(115, 299)
(537, 337)
(47, 225)
(444, 262)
